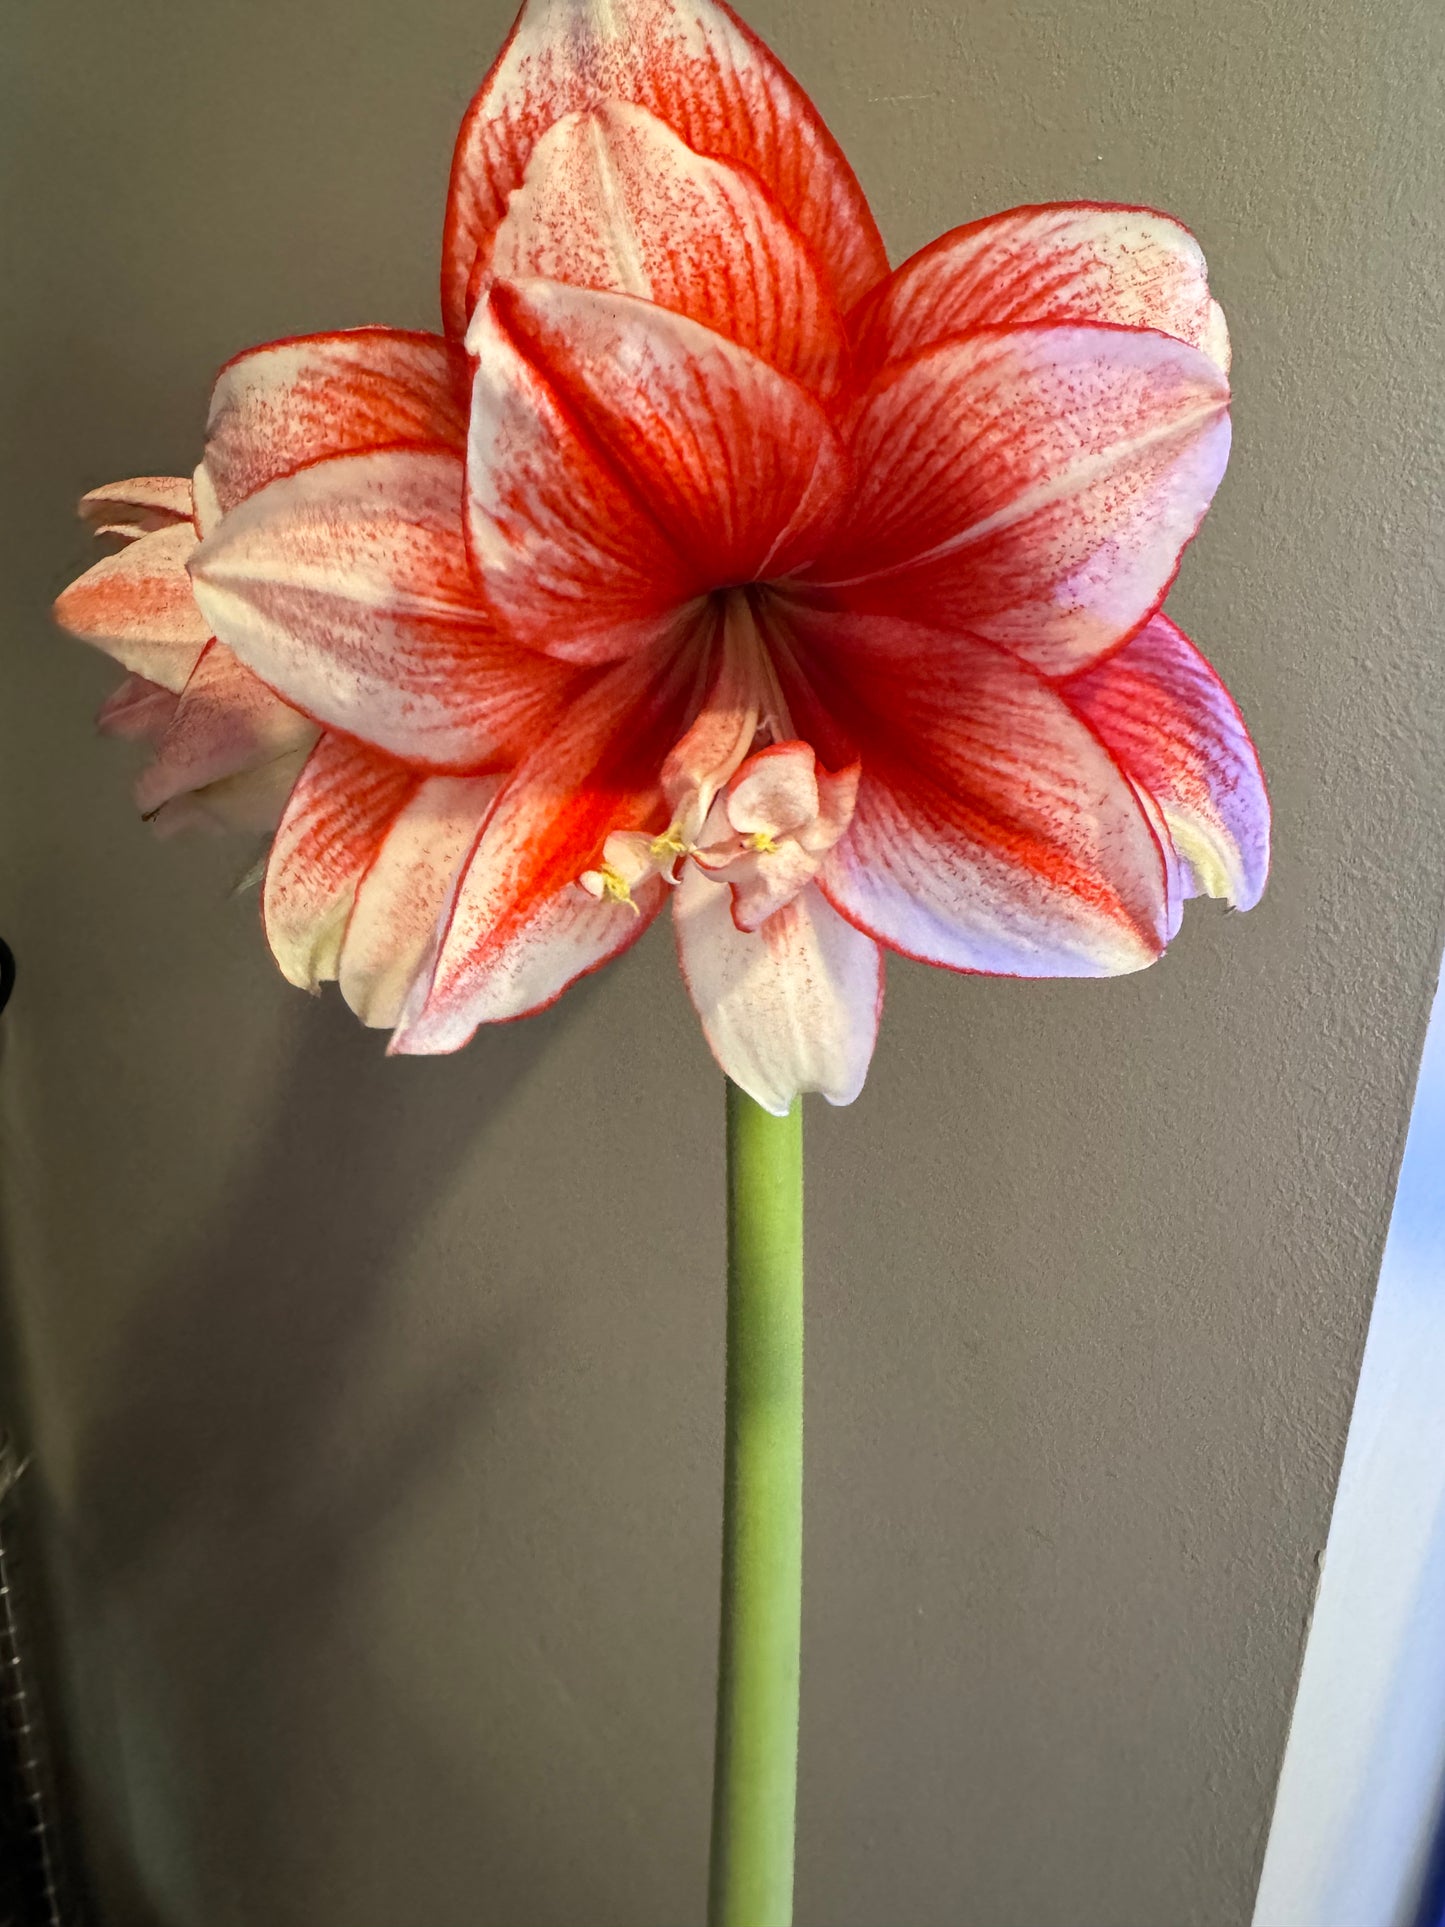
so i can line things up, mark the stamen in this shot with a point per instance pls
(763, 842)
(608, 882)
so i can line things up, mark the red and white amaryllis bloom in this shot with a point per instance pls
(704, 562)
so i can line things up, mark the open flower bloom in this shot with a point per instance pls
(708, 563)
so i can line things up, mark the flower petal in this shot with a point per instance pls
(137, 712)
(137, 605)
(697, 67)
(393, 924)
(735, 468)
(1174, 726)
(521, 926)
(614, 200)
(1035, 486)
(1074, 261)
(775, 790)
(226, 721)
(281, 407)
(136, 507)
(791, 1007)
(346, 588)
(993, 831)
(571, 562)
(346, 800)
(252, 801)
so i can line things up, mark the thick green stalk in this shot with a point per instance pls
(756, 1773)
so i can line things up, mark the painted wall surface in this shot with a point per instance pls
(377, 1405)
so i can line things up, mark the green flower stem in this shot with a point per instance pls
(756, 1773)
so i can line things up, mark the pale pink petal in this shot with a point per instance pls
(346, 588)
(694, 65)
(1173, 725)
(993, 831)
(1034, 486)
(775, 791)
(769, 834)
(347, 798)
(283, 406)
(133, 508)
(762, 882)
(583, 399)
(252, 801)
(138, 607)
(1074, 261)
(225, 722)
(522, 926)
(137, 712)
(614, 200)
(393, 923)
(788, 1008)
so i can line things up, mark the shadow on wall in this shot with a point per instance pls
(222, 1495)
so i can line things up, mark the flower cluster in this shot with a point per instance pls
(701, 561)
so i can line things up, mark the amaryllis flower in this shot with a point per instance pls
(709, 563)
(229, 749)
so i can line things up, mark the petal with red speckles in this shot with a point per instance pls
(1034, 486)
(393, 923)
(137, 605)
(521, 927)
(1174, 726)
(993, 831)
(698, 68)
(291, 403)
(623, 459)
(614, 200)
(340, 811)
(346, 588)
(1071, 262)
(136, 507)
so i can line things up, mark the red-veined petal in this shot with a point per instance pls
(137, 605)
(1174, 726)
(393, 922)
(993, 831)
(790, 1007)
(1035, 486)
(570, 560)
(697, 67)
(521, 927)
(133, 508)
(226, 721)
(283, 406)
(734, 463)
(614, 200)
(1076, 261)
(346, 588)
(347, 798)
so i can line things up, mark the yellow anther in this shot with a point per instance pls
(669, 844)
(616, 886)
(761, 841)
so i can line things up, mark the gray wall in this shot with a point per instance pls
(377, 1404)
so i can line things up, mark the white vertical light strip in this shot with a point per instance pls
(1361, 1792)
